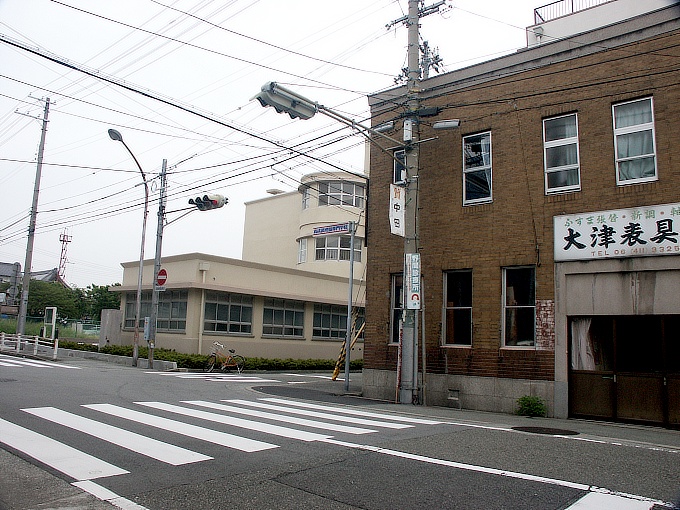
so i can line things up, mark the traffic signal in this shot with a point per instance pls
(286, 101)
(208, 202)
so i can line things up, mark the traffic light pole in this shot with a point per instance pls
(157, 263)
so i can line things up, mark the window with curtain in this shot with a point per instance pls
(477, 168)
(458, 308)
(561, 155)
(341, 193)
(519, 306)
(337, 248)
(634, 144)
(302, 250)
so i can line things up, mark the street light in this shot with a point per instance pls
(116, 136)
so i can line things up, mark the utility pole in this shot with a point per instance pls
(408, 375)
(23, 304)
(157, 263)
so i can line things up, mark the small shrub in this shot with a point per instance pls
(531, 406)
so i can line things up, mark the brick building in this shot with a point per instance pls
(547, 224)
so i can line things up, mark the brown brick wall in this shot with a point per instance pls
(516, 228)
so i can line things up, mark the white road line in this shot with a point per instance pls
(138, 443)
(610, 501)
(327, 416)
(212, 436)
(604, 501)
(276, 430)
(74, 463)
(105, 494)
(33, 363)
(279, 417)
(356, 412)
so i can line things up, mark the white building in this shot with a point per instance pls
(286, 298)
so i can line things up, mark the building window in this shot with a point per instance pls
(561, 154)
(477, 168)
(302, 250)
(131, 308)
(396, 307)
(172, 310)
(342, 193)
(228, 313)
(306, 192)
(283, 317)
(337, 248)
(519, 306)
(634, 141)
(399, 167)
(458, 308)
(330, 321)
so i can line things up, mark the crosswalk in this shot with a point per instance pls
(276, 418)
(248, 426)
(216, 377)
(16, 362)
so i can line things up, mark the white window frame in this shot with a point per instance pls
(449, 307)
(342, 193)
(556, 143)
(399, 162)
(486, 167)
(302, 250)
(621, 132)
(516, 308)
(337, 248)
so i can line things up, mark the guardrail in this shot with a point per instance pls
(28, 344)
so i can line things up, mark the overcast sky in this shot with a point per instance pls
(207, 56)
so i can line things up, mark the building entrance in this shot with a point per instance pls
(625, 368)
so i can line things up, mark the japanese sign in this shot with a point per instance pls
(339, 228)
(412, 281)
(636, 232)
(397, 202)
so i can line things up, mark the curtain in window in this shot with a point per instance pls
(581, 345)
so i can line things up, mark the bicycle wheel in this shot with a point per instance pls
(240, 362)
(210, 364)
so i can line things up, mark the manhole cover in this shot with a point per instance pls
(546, 431)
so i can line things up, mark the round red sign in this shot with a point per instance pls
(162, 277)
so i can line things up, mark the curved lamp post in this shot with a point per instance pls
(116, 136)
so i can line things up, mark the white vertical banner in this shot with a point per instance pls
(397, 204)
(412, 281)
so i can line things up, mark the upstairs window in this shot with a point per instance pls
(342, 193)
(561, 155)
(634, 144)
(477, 168)
(399, 167)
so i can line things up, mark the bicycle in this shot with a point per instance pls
(223, 361)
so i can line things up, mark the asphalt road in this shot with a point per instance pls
(83, 434)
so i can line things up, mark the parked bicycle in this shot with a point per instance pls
(219, 360)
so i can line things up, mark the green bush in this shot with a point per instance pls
(197, 361)
(531, 406)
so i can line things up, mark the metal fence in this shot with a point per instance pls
(563, 8)
(29, 344)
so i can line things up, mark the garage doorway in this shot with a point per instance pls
(625, 368)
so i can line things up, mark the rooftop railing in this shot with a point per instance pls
(563, 8)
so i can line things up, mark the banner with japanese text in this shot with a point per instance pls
(635, 232)
(397, 203)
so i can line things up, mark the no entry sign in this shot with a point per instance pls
(162, 277)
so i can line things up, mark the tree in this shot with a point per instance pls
(43, 294)
(98, 298)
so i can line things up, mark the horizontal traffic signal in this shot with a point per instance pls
(207, 202)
